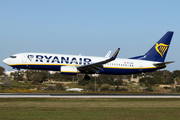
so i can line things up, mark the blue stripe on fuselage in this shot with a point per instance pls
(122, 71)
(114, 71)
(39, 67)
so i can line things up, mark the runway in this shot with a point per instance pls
(82, 95)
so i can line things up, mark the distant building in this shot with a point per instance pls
(75, 89)
(8, 73)
(136, 80)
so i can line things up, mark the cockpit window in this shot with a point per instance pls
(12, 56)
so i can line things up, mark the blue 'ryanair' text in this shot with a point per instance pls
(61, 60)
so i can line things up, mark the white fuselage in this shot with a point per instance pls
(54, 62)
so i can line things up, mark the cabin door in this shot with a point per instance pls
(24, 58)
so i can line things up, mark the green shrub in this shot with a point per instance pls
(105, 87)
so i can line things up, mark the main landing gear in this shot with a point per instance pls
(87, 77)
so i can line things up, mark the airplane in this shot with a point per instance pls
(75, 64)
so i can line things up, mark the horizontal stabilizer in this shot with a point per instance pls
(164, 63)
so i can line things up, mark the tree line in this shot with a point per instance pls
(161, 77)
(149, 79)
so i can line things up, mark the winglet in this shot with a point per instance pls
(108, 54)
(115, 54)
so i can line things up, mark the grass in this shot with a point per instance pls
(86, 109)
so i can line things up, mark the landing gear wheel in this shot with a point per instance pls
(86, 77)
(143, 74)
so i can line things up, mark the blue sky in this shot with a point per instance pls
(89, 27)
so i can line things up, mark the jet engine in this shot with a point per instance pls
(71, 70)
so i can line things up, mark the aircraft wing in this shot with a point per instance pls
(94, 67)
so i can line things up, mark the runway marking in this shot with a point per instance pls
(30, 95)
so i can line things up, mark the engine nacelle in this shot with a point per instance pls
(71, 70)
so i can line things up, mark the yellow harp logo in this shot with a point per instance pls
(161, 48)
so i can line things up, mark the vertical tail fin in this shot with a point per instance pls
(159, 50)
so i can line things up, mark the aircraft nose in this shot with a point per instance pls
(6, 61)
